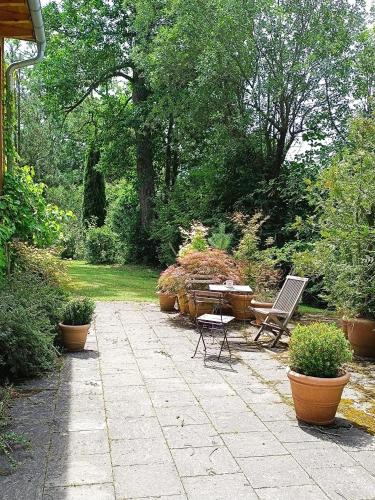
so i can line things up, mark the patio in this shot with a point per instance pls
(135, 417)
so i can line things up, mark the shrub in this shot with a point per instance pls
(194, 240)
(31, 301)
(346, 250)
(78, 311)
(25, 214)
(172, 280)
(220, 239)
(123, 217)
(29, 310)
(100, 245)
(40, 262)
(318, 350)
(259, 265)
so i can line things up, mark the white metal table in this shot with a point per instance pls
(234, 288)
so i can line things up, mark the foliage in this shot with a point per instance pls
(194, 240)
(40, 262)
(29, 310)
(216, 264)
(101, 282)
(318, 350)
(172, 280)
(346, 251)
(123, 219)
(219, 239)
(259, 264)
(78, 311)
(94, 200)
(100, 245)
(25, 214)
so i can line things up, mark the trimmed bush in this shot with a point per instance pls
(318, 350)
(100, 246)
(78, 311)
(31, 302)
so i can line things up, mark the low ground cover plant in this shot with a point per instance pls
(31, 301)
(318, 350)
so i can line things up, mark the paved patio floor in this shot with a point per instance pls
(135, 417)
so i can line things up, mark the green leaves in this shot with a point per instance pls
(318, 350)
(25, 214)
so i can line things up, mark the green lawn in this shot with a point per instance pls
(105, 282)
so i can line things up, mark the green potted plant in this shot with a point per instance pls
(347, 226)
(76, 319)
(317, 353)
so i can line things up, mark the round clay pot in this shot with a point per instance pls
(361, 335)
(344, 326)
(167, 301)
(183, 303)
(240, 303)
(316, 399)
(259, 318)
(74, 336)
(202, 309)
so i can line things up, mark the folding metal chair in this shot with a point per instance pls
(214, 322)
(278, 316)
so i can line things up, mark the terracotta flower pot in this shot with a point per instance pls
(361, 335)
(344, 326)
(74, 336)
(202, 309)
(240, 303)
(261, 305)
(316, 399)
(183, 302)
(167, 301)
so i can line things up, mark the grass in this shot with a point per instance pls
(302, 308)
(112, 282)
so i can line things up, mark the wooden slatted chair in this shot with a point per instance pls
(215, 322)
(278, 316)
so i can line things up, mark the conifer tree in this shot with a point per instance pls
(94, 199)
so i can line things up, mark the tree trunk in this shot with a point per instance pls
(144, 151)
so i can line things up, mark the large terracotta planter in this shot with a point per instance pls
(202, 309)
(344, 326)
(167, 301)
(74, 337)
(316, 399)
(240, 303)
(361, 335)
(183, 302)
(259, 317)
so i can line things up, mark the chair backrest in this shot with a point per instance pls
(203, 281)
(205, 297)
(290, 294)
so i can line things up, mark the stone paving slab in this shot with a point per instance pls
(135, 417)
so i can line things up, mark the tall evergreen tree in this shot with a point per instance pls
(94, 199)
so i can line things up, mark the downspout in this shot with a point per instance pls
(35, 9)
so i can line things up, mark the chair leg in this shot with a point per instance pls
(199, 340)
(277, 338)
(225, 341)
(259, 333)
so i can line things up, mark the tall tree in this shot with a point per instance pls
(91, 45)
(94, 200)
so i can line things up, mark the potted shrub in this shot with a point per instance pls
(317, 353)
(77, 316)
(216, 265)
(170, 284)
(346, 250)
